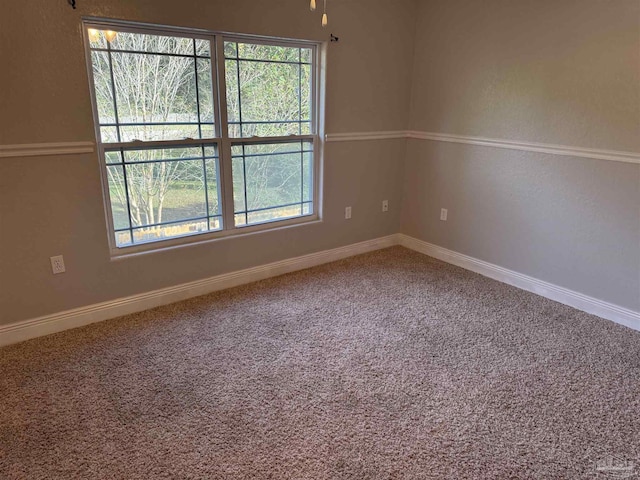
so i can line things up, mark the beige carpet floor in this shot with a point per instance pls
(389, 365)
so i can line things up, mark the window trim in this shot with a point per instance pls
(221, 139)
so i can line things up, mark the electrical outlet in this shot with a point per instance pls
(385, 205)
(443, 214)
(347, 213)
(57, 264)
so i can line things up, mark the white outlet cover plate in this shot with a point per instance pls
(57, 264)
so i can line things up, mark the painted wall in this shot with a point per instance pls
(53, 205)
(561, 72)
(558, 72)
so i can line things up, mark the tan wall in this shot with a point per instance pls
(53, 205)
(551, 71)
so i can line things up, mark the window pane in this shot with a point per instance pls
(162, 92)
(233, 94)
(305, 55)
(163, 232)
(215, 223)
(205, 90)
(275, 213)
(268, 52)
(139, 42)
(239, 190)
(169, 192)
(305, 99)
(108, 134)
(113, 157)
(272, 181)
(295, 146)
(123, 238)
(207, 130)
(166, 191)
(230, 50)
(154, 89)
(169, 131)
(213, 192)
(240, 220)
(103, 90)
(132, 155)
(267, 129)
(307, 177)
(96, 38)
(118, 196)
(203, 48)
(268, 90)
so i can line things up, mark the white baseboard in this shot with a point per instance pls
(48, 324)
(612, 312)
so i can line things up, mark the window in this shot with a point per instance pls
(202, 133)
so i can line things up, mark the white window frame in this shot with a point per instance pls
(222, 139)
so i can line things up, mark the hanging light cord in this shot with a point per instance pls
(312, 7)
(325, 20)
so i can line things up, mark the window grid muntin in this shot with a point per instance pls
(219, 112)
(197, 85)
(300, 90)
(169, 222)
(165, 160)
(234, 122)
(204, 220)
(262, 222)
(113, 94)
(142, 52)
(259, 60)
(235, 39)
(152, 124)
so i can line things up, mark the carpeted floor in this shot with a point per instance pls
(390, 365)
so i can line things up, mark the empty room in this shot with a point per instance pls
(319, 239)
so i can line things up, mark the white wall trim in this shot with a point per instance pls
(74, 148)
(78, 317)
(355, 136)
(48, 324)
(613, 155)
(41, 149)
(564, 150)
(563, 295)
